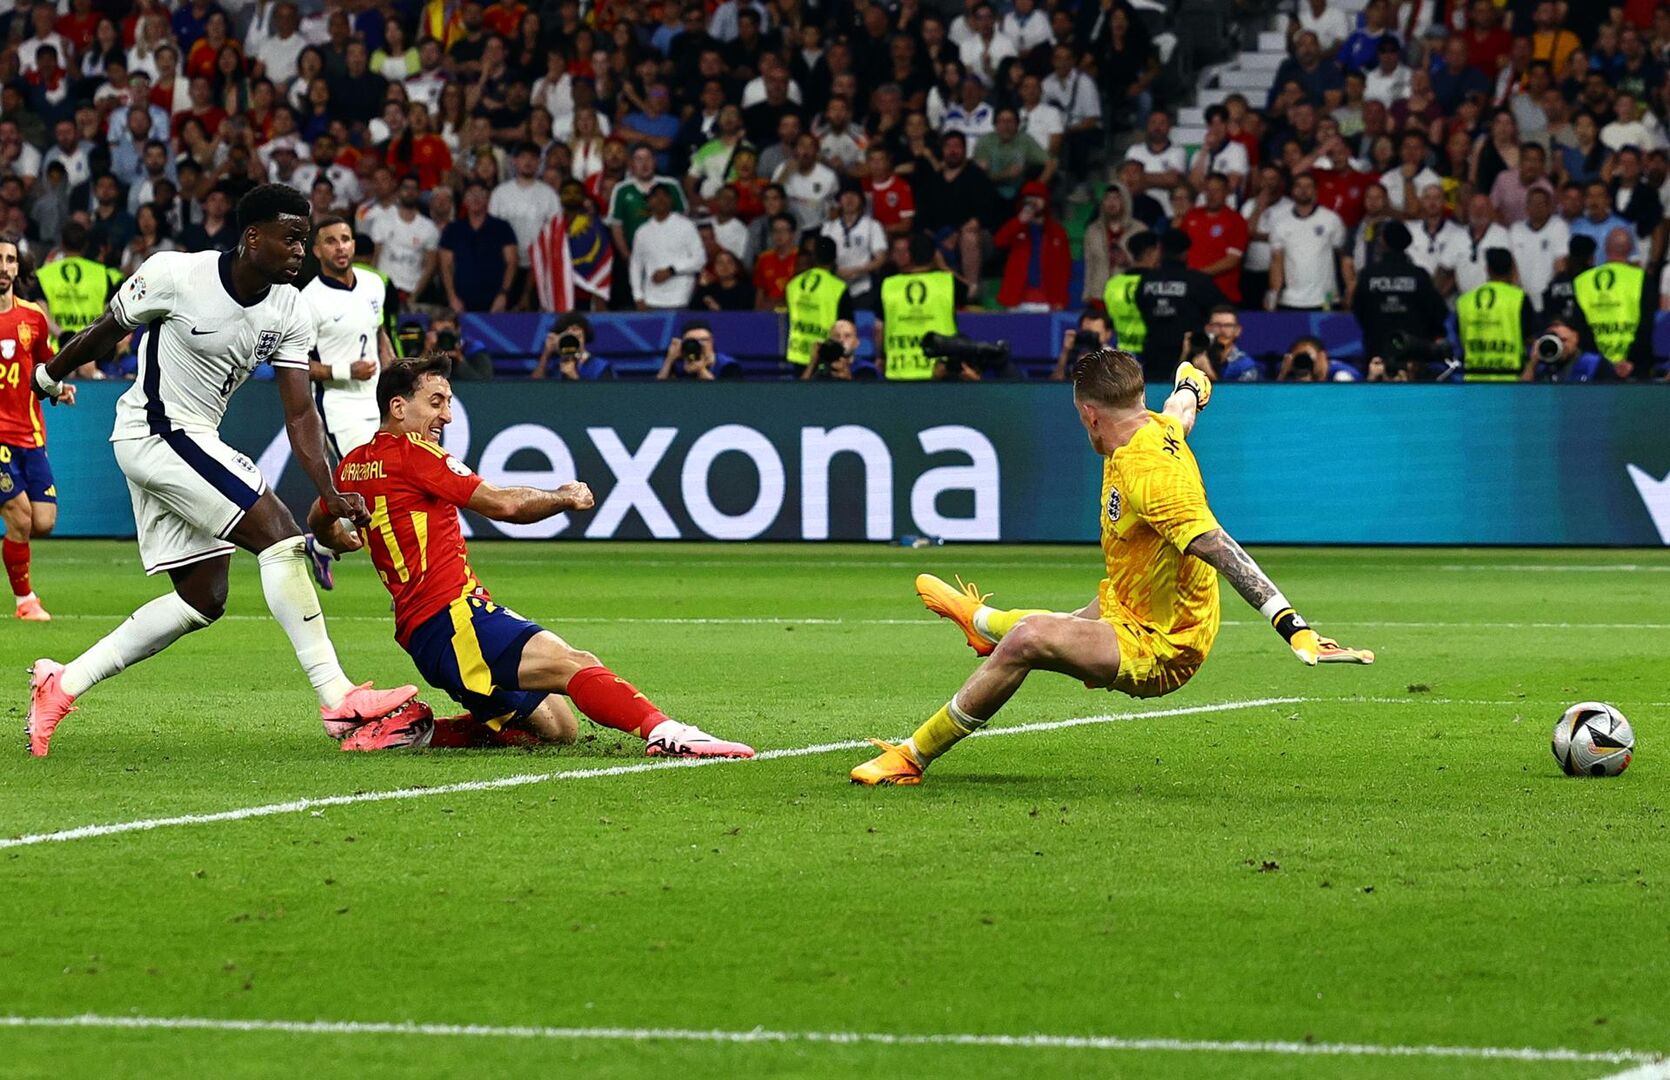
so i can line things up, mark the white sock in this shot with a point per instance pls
(146, 632)
(980, 624)
(25, 599)
(288, 586)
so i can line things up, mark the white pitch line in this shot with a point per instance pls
(1557, 568)
(1655, 1070)
(838, 1038)
(296, 806)
(919, 622)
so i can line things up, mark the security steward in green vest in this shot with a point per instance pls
(1120, 296)
(1495, 323)
(76, 288)
(919, 301)
(817, 299)
(1618, 309)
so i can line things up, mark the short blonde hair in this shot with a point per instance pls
(1108, 377)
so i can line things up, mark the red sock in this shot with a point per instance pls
(610, 700)
(466, 732)
(16, 557)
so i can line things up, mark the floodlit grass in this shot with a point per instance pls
(1395, 859)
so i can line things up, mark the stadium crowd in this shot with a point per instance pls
(634, 155)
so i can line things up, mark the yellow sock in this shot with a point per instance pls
(943, 730)
(995, 623)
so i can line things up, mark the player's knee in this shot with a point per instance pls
(208, 601)
(43, 524)
(580, 660)
(1025, 643)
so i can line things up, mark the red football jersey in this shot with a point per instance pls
(413, 489)
(24, 342)
(1212, 236)
(890, 203)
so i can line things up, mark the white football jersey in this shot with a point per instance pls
(201, 341)
(345, 324)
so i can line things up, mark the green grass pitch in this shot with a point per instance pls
(1392, 859)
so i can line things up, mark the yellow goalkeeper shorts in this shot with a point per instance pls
(1153, 663)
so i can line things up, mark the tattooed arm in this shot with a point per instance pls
(1220, 551)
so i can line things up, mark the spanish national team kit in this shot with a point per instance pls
(25, 341)
(461, 640)
(189, 489)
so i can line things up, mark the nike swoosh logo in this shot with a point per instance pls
(194, 330)
(337, 319)
(310, 618)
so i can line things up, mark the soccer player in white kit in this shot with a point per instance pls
(353, 348)
(211, 318)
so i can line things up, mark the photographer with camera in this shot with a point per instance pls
(817, 299)
(1493, 322)
(1400, 309)
(1217, 353)
(837, 357)
(1307, 361)
(569, 341)
(920, 301)
(1558, 357)
(691, 355)
(1094, 331)
(470, 360)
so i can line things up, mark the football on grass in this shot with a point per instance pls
(1593, 739)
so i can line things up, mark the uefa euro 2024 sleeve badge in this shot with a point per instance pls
(1113, 504)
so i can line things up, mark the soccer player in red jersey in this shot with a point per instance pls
(502, 668)
(28, 495)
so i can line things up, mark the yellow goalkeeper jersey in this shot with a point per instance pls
(1153, 506)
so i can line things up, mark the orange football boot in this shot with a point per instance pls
(957, 605)
(893, 765)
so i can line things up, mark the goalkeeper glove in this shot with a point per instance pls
(1194, 380)
(1313, 648)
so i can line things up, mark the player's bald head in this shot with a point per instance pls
(1111, 378)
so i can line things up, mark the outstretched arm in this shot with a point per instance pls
(523, 505)
(307, 444)
(1219, 550)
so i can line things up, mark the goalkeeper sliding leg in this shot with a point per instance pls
(1155, 615)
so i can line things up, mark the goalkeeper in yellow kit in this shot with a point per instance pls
(1154, 617)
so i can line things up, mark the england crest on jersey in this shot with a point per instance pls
(1113, 504)
(266, 343)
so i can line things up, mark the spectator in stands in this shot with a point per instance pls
(667, 254)
(1040, 257)
(774, 266)
(1164, 164)
(1412, 175)
(1598, 220)
(1361, 50)
(1320, 79)
(1326, 22)
(1583, 160)
(1218, 153)
(1266, 209)
(1456, 80)
(1304, 249)
(1481, 234)
(809, 184)
(1388, 81)
(1073, 94)
(478, 256)
(725, 287)
(1011, 157)
(1550, 41)
(692, 355)
(1538, 243)
(629, 201)
(1439, 240)
(527, 204)
(860, 243)
(1508, 194)
(1105, 239)
(892, 203)
(952, 204)
(1129, 60)
(986, 46)
(1217, 237)
(1632, 197)
(408, 245)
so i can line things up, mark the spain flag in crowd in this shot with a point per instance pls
(572, 257)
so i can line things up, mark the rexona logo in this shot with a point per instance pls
(1656, 495)
(628, 486)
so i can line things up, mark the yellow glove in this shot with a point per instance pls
(1192, 378)
(1314, 649)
